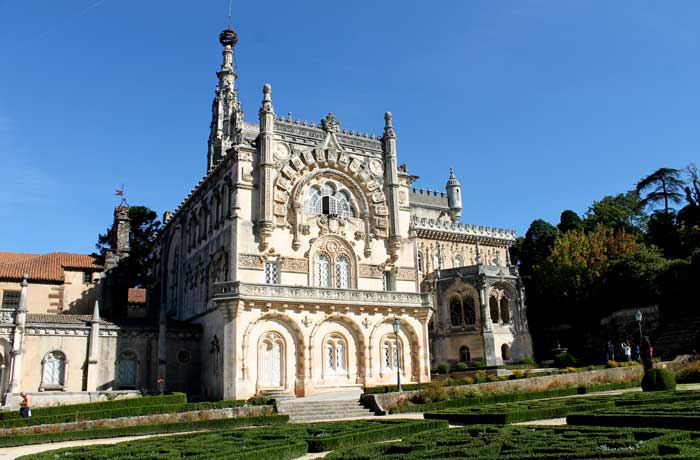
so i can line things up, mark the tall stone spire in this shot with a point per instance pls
(226, 113)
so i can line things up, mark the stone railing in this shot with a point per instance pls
(301, 294)
(422, 223)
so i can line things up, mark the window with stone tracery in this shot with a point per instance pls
(328, 199)
(322, 271)
(335, 355)
(456, 312)
(505, 309)
(391, 350)
(342, 272)
(469, 306)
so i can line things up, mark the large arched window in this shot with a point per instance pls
(54, 373)
(469, 310)
(493, 309)
(335, 355)
(322, 271)
(328, 199)
(456, 312)
(127, 366)
(505, 309)
(342, 272)
(464, 354)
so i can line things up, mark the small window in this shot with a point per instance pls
(272, 273)
(54, 372)
(464, 354)
(127, 366)
(421, 265)
(87, 277)
(10, 299)
(322, 270)
(387, 281)
(342, 272)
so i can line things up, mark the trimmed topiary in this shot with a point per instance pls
(658, 380)
(461, 366)
(444, 368)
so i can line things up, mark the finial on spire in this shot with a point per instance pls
(388, 125)
(228, 37)
(266, 106)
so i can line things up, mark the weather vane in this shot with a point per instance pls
(120, 192)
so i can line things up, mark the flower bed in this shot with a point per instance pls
(532, 443)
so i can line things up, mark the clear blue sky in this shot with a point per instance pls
(539, 105)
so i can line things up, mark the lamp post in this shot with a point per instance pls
(398, 360)
(638, 317)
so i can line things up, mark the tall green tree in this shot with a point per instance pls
(569, 220)
(663, 186)
(142, 236)
(536, 246)
(624, 211)
(689, 216)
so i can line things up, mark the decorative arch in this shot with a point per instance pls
(272, 349)
(355, 333)
(469, 299)
(414, 342)
(53, 371)
(293, 183)
(504, 295)
(334, 248)
(292, 328)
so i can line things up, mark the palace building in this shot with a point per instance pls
(305, 242)
(285, 270)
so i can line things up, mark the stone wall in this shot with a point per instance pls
(155, 419)
(385, 401)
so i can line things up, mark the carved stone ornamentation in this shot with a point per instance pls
(330, 124)
(370, 271)
(250, 261)
(289, 264)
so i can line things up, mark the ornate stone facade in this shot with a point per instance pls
(301, 246)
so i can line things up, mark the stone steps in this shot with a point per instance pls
(309, 410)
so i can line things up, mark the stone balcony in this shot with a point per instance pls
(296, 295)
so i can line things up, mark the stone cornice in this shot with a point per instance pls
(462, 233)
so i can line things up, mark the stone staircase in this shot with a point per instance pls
(676, 337)
(319, 408)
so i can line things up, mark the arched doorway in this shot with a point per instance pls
(505, 352)
(271, 355)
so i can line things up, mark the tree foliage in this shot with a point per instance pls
(663, 186)
(569, 220)
(142, 236)
(624, 211)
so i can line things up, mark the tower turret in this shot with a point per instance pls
(226, 113)
(454, 196)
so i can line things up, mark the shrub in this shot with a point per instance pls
(479, 364)
(461, 366)
(527, 361)
(658, 380)
(433, 392)
(444, 368)
(689, 373)
(258, 401)
(563, 360)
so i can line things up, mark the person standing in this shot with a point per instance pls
(637, 353)
(628, 351)
(24, 410)
(647, 354)
(610, 351)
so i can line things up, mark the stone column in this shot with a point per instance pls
(18, 338)
(93, 349)
(490, 355)
(266, 169)
(391, 185)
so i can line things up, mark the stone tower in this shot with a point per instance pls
(454, 196)
(119, 238)
(227, 116)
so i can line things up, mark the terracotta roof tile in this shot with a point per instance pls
(43, 267)
(136, 295)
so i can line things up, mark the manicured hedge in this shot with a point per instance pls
(116, 413)
(100, 433)
(531, 443)
(175, 398)
(501, 414)
(390, 430)
(658, 380)
(279, 442)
